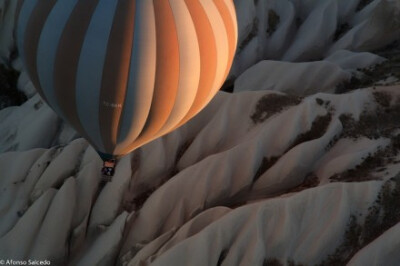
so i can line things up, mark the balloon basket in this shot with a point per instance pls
(108, 169)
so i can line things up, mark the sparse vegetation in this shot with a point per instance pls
(362, 172)
(349, 246)
(271, 104)
(318, 128)
(386, 116)
(382, 98)
(385, 212)
(369, 77)
(382, 215)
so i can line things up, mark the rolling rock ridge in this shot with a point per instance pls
(295, 162)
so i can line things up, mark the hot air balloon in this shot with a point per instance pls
(124, 72)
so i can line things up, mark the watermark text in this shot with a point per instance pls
(24, 262)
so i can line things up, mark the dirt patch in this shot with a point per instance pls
(9, 94)
(271, 104)
(273, 22)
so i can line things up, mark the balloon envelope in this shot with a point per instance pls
(124, 72)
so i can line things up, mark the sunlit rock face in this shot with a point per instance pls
(281, 172)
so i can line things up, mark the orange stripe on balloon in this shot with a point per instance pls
(230, 31)
(189, 65)
(167, 71)
(208, 57)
